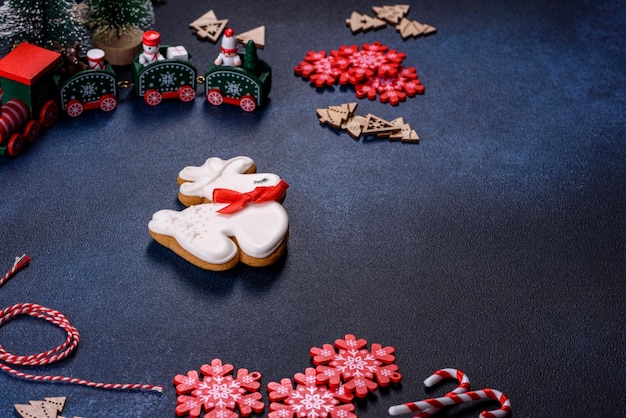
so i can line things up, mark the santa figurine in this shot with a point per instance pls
(228, 54)
(151, 43)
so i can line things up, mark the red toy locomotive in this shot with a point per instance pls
(29, 96)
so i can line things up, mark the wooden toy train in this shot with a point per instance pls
(37, 83)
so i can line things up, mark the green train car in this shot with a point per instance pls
(247, 86)
(88, 89)
(166, 78)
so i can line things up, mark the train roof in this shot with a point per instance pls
(27, 63)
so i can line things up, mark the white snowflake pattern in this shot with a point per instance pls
(308, 399)
(167, 79)
(218, 392)
(312, 400)
(88, 89)
(361, 370)
(233, 88)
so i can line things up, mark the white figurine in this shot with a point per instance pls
(151, 43)
(228, 54)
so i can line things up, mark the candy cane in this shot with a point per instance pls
(503, 411)
(51, 356)
(438, 376)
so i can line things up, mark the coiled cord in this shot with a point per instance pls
(58, 353)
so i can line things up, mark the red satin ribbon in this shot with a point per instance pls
(238, 200)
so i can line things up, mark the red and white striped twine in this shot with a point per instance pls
(20, 263)
(56, 354)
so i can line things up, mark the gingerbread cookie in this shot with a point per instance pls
(238, 173)
(238, 217)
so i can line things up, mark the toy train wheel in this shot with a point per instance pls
(186, 94)
(49, 113)
(215, 97)
(247, 103)
(152, 97)
(15, 145)
(108, 102)
(31, 131)
(74, 108)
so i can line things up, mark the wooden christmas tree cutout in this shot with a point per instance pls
(394, 15)
(48, 408)
(346, 109)
(343, 117)
(331, 117)
(208, 26)
(355, 22)
(377, 126)
(59, 402)
(391, 14)
(257, 35)
(336, 116)
(362, 22)
(413, 28)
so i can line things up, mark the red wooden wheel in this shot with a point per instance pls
(186, 93)
(247, 103)
(108, 102)
(15, 145)
(74, 108)
(152, 97)
(49, 113)
(214, 96)
(31, 131)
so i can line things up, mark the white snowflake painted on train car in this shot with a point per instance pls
(88, 89)
(167, 79)
(233, 89)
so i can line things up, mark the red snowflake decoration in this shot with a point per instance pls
(374, 69)
(358, 369)
(390, 88)
(218, 393)
(319, 68)
(309, 399)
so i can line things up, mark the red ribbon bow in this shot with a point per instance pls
(238, 200)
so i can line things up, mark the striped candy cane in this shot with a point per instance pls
(51, 356)
(454, 399)
(438, 376)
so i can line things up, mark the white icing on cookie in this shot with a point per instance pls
(200, 230)
(228, 174)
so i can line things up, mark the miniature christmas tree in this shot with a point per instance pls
(118, 26)
(111, 20)
(5, 29)
(251, 59)
(46, 23)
